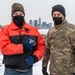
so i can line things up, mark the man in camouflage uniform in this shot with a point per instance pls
(60, 45)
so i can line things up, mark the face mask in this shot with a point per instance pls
(18, 20)
(57, 20)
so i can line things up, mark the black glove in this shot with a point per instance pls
(73, 73)
(44, 71)
(73, 50)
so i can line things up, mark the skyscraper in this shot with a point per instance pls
(35, 23)
(39, 21)
(30, 22)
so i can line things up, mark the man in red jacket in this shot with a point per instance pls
(21, 44)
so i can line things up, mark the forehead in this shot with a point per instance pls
(18, 12)
(57, 12)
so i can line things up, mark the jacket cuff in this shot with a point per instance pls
(35, 58)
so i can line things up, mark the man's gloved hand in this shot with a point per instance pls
(44, 71)
(31, 60)
(73, 73)
(74, 51)
(29, 44)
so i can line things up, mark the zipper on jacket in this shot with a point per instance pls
(20, 36)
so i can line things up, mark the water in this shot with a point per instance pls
(43, 31)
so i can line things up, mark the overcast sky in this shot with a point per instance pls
(35, 9)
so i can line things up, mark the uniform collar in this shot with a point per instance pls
(62, 24)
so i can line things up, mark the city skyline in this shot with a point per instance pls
(40, 24)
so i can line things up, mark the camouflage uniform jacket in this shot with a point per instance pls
(60, 48)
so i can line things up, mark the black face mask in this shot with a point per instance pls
(57, 20)
(18, 20)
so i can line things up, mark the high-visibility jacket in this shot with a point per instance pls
(12, 39)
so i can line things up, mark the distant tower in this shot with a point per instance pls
(30, 22)
(35, 23)
(39, 22)
(44, 23)
(0, 26)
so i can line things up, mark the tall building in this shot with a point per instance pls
(43, 23)
(39, 21)
(35, 23)
(30, 22)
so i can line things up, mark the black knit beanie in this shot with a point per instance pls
(59, 8)
(17, 7)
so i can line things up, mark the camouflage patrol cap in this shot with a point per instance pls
(59, 8)
(17, 7)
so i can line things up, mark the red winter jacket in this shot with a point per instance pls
(12, 39)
